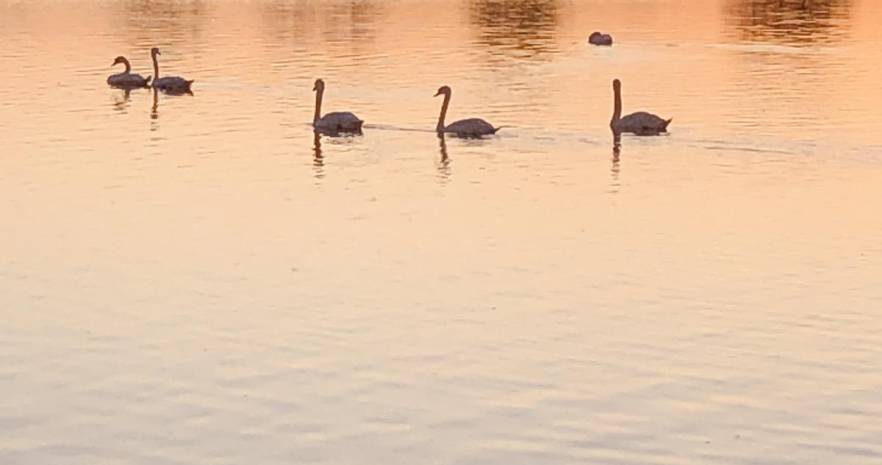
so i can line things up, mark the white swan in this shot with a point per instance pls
(336, 122)
(471, 127)
(126, 79)
(170, 84)
(640, 123)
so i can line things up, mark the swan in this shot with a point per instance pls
(640, 123)
(171, 84)
(126, 79)
(597, 38)
(335, 122)
(471, 127)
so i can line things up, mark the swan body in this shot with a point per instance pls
(173, 84)
(471, 127)
(643, 122)
(597, 38)
(339, 121)
(335, 122)
(170, 84)
(640, 123)
(127, 79)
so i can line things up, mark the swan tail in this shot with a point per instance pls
(665, 127)
(190, 83)
(147, 81)
(495, 130)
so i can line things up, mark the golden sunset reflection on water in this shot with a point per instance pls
(197, 279)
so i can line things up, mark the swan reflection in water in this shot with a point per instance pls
(121, 100)
(318, 160)
(154, 111)
(444, 162)
(615, 170)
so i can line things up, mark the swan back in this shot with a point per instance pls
(471, 127)
(173, 84)
(643, 123)
(337, 122)
(128, 80)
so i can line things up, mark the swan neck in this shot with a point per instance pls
(128, 66)
(617, 106)
(318, 105)
(155, 68)
(443, 115)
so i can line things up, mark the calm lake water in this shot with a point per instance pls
(196, 280)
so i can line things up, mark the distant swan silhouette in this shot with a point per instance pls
(126, 79)
(597, 38)
(640, 123)
(170, 84)
(336, 122)
(471, 127)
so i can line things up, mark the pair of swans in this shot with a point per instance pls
(640, 123)
(343, 122)
(129, 80)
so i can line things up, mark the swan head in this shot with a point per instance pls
(617, 85)
(118, 60)
(319, 85)
(154, 51)
(443, 90)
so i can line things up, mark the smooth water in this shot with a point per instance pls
(196, 280)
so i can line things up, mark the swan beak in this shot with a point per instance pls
(437, 94)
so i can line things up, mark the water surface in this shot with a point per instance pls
(198, 280)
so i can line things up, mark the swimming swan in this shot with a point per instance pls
(126, 79)
(336, 122)
(597, 38)
(640, 123)
(171, 84)
(472, 127)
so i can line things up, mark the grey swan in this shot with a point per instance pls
(597, 38)
(127, 79)
(640, 123)
(170, 84)
(335, 122)
(471, 127)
